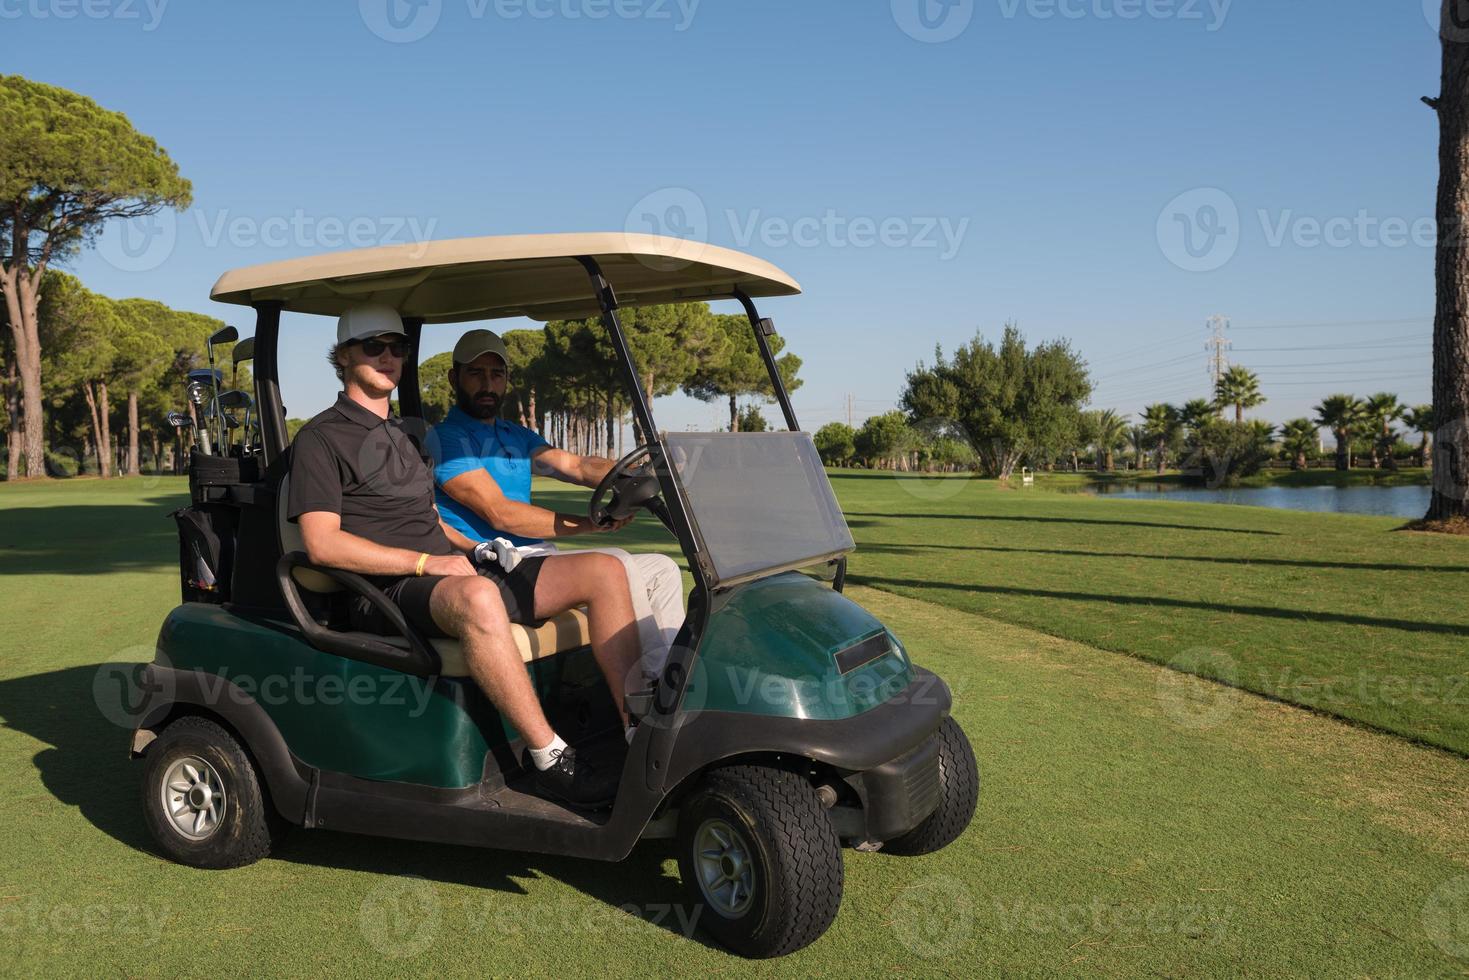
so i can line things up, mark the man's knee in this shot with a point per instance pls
(478, 606)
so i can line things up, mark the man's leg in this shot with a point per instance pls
(656, 584)
(598, 582)
(471, 609)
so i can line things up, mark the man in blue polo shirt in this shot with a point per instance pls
(483, 468)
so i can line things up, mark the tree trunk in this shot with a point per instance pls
(1425, 452)
(97, 440)
(734, 415)
(1451, 318)
(12, 409)
(22, 303)
(1299, 463)
(132, 458)
(1162, 459)
(1343, 450)
(1239, 413)
(105, 414)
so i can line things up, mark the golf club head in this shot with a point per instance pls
(224, 336)
(179, 420)
(236, 399)
(244, 351)
(198, 392)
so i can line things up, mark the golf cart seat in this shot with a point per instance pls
(568, 631)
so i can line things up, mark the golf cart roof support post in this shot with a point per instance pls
(267, 380)
(678, 512)
(775, 380)
(410, 392)
(642, 413)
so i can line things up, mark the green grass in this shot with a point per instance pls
(1343, 614)
(1132, 821)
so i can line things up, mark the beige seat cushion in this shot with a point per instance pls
(568, 631)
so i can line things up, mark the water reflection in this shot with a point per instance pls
(1379, 501)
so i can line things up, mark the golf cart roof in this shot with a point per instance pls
(536, 276)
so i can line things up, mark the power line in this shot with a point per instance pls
(1337, 323)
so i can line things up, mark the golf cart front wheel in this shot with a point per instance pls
(203, 800)
(958, 795)
(760, 861)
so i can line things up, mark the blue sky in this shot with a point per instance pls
(1110, 171)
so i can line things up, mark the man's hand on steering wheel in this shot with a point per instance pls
(629, 486)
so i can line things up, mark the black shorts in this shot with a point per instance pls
(411, 595)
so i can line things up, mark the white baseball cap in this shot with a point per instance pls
(369, 320)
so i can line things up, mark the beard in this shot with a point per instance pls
(484, 406)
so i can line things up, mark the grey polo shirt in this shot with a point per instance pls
(348, 461)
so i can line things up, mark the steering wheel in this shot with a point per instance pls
(631, 484)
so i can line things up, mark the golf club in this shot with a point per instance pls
(232, 399)
(200, 385)
(224, 335)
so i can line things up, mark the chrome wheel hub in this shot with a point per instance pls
(193, 797)
(725, 868)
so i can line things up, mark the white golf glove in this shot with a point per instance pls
(500, 551)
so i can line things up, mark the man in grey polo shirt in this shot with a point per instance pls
(364, 499)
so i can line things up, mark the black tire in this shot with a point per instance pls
(792, 851)
(246, 824)
(958, 795)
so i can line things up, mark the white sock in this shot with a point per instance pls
(546, 757)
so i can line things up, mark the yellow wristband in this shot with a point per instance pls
(422, 561)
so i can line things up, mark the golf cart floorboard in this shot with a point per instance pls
(511, 816)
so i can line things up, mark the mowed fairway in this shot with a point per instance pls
(1131, 820)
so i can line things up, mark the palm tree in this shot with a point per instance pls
(1421, 420)
(1196, 413)
(1137, 438)
(1161, 422)
(1108, 431)
(1299, 436)
(1239, 387)
(1382, 410)
(1343, 415)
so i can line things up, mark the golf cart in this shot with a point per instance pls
(787, 723)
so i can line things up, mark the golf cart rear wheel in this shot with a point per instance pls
(958, 794)
(203, 800)
(760, 860)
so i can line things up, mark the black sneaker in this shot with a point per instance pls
(577, 781)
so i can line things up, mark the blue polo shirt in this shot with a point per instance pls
(460, 444)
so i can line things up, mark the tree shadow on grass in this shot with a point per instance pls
(85, 765)
(1011, 519)
(909, 548)
(1295, 615)
(89, 539)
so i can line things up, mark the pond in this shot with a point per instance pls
(1379, 501)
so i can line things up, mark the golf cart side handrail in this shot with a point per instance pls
(420, 658)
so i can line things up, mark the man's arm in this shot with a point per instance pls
(478, 491)
(586, 471)
(327, 544)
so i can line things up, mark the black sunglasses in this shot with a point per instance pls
(373, 347)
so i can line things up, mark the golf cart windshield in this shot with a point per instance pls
(761, 501)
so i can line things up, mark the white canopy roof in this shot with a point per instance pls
(536, 276)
